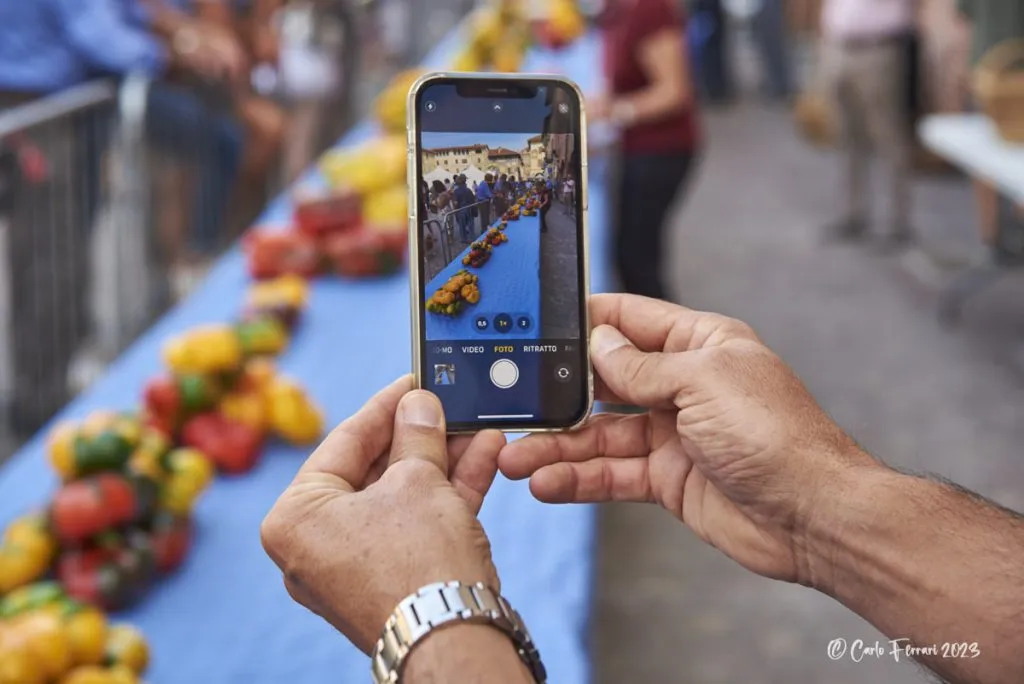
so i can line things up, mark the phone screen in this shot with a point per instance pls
(501, 273)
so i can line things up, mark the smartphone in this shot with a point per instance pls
(498, 235)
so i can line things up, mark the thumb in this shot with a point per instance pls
(647, 379)
(420, 431)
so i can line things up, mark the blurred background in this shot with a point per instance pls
(897, 295)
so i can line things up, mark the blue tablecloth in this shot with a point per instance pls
(225, 617)
(509, 284)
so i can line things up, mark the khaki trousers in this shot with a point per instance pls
(869, 84)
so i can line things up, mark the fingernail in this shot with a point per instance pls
(420, 408)
(605, 339)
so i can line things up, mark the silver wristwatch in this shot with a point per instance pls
(447, 603)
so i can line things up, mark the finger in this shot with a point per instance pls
(602, 393)
(656, 325)
(605, 435)
(650, 379)
(600, 479)
(474, 470)
(420, 431)
(457, 446)
(351, 448)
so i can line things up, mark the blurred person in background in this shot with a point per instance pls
(543, 192)
(424, 197)
(484, 194)
(500, 194)
(709, 33)
(190, 120)
(715, 73)
(252, 24)
(769, 31)
(569, 196)
(464, 199)
(991, 22)
(868, 72)
(47, 46)
(650, 98)
(246, 29)
(440, 197)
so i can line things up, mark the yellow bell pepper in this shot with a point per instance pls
(93, 674)
(87, 636)
(30, 533)
(122, 675)
(257, 374)
(293, 415)
(287, 291)
(190, 474)
(61, 446)
(148, 457)
(246, 407)
(262, 336)
(46, 640)
(22, 565)
(209, 349)
(17, 665)
(127, 647)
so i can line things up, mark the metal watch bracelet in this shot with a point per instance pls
(448, 603)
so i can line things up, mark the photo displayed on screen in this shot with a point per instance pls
(501, 238)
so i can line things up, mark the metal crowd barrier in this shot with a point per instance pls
(75, 266)
(102, 189)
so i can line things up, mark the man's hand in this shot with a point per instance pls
(733, 444)
(383, 507)
(210, 52)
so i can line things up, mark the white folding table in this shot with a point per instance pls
(971, 142)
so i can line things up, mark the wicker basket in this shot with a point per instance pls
(999, 88)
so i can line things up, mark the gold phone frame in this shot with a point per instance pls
(413, 176)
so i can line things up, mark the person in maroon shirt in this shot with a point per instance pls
(540, 188)
(650, 98)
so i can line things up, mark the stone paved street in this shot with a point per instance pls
(861, 330)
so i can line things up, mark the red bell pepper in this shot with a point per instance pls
(233, 446)
(273, 253)
(322, 213)
(111, 572)
(171, 537)
(171, 399)
(86, 507)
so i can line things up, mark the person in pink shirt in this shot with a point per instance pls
(868, 67)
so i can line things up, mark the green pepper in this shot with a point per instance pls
(387, 263)
(30, 597)
(109, 450)
(262, 336)
(198, 392)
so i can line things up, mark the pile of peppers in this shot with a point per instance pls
(122, 516)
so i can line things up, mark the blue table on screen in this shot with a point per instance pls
(509, 284)
(225, 617)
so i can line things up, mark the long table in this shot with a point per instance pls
(509, 284)
(972, 143)
(225, 616)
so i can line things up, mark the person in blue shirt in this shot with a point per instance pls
(484, 194)
(464, 199)
(47, 46)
